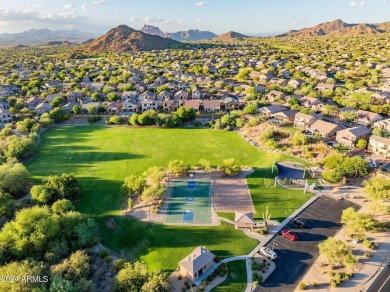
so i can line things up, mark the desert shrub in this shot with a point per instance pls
(302, 286)
(369, 244)
(94, 119)
(367, 254)
(103, 253)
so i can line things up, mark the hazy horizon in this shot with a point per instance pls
(246, 16)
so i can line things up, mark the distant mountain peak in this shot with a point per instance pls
(339, 28)
(153, 30)
(231, 35)
(125, 39)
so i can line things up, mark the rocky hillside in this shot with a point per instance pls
(231, 35)
(340, 28)
(153, 30)
(126, 39)
(192, 35)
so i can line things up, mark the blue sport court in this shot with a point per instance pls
(189, 202)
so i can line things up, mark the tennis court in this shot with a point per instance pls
(189, 202)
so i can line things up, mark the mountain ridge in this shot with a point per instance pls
(339, 28)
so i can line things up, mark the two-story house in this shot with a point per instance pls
(379, 146)
(349, 137)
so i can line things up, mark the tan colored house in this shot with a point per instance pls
(196, 263)
(273, 95)
(349, 137)
(303, 121)
(379, 146)
(384, 125)
(366, 118)
(324, 129)
(212, 106)
(194, 104)
(244, 220)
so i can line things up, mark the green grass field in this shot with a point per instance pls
(236, 278)
(200, 207)
(102, 157)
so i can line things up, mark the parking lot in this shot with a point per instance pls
(295, 257)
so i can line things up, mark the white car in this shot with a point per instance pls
(269, 253)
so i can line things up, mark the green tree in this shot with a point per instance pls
(178, 167)
(353, 166)
(299, 139)
(206, 165)
(377, 188)
(58, 115)
(229, 167)
(7, 204)
(41, 195)
(62, 206)
(76, 109)
(186, 113)
(74, 268)
(19, 147)
(134, 119)
(337, 251)
(30, 234)
(113, 96)
(332, 161)
(361, 144)
(14, 178)
(250, 108)
(45, 120)
(134, 184)
(64, 186)
(20, 270)
(332, 175)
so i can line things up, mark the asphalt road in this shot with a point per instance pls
(295, 257)
(382, 283)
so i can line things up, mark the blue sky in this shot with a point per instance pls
(219, 16)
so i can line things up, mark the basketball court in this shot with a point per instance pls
(189, 202)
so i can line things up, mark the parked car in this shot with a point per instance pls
(289, 234)
(269, 253)
(300, 222)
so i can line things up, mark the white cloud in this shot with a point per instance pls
(36, 5)
(199, 19)
(27, 16)
(355, 4)
(99, 2)
(69, 6)
(201, 4)
(84, 7)
(156, 20)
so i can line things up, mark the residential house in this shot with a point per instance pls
(91, 107)
(196, 263)
(32, 102)
(168, 105)
(96, 85)
(270, 110)
(211, 106)
(324, 86)
(342, 112)
(383, 125)
(349, 137)
(194, 104)
(366, 118)
(285, 117)
(380, 98)
(128, 94)
(4, 104)
(231, 103)
(275, 95)
(5, 117)
(324, 129)
(303, 121)
(74, 96)
(149, 104)
(311, 102)
(43, 107)
(6, 92)
(295, 83)
(130, 105)
(114, 107)
(379, 146)
(198, 94)
(53, 84)
(181, 95)
(69, 106)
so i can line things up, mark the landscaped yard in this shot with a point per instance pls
(102, 157)
(236, 279)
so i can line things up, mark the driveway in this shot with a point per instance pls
(294, 258)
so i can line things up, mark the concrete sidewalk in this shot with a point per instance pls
(363, 280)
